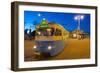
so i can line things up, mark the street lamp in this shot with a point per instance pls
(78, 18)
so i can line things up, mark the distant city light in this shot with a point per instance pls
(74, 35)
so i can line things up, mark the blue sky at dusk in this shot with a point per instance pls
(32, 18)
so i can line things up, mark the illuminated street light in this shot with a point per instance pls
(78, 18)
(82, 17)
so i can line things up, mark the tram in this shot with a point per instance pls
(50, 39)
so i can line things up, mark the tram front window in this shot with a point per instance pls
(48, 32)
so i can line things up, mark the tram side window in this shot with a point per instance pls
(58, 32)
(52, 31)
(43, 32)
(39, 32)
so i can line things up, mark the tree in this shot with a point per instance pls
(44, 24)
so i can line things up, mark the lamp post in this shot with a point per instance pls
(78, 18)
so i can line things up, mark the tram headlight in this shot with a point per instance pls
(34, 46)
(49, 47)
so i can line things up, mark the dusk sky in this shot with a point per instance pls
(65, 19)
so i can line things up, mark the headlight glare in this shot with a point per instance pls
(49, 47)
(34, 46)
